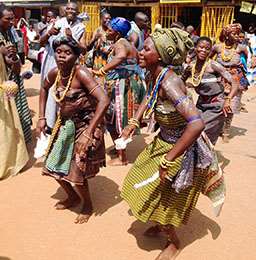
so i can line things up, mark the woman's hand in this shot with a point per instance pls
(40, 127)
(162, 174)
(84, 141)
(227, 107)
(128, 131)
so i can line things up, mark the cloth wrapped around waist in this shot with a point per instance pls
(197, 155)
(60, 156)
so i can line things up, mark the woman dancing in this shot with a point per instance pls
(76, 150)
(229, 53)
(204, 76)
(179, 155)
(123, 82)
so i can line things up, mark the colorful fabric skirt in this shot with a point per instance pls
(125, 94)
(159, 202)
(63, 162)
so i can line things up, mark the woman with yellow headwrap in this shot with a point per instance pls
(166, 179)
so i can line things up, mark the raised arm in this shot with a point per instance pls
(121, 52)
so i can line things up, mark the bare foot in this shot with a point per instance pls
(152, 231)
(85, 214)
(169, 253)
(68, 203)
(225, 139)
(117, 162)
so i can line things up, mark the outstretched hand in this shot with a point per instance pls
(128, 131)
(40, 127)
(227, 108)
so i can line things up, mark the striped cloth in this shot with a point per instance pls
(156, 201)
(59, 159)
(23, 109)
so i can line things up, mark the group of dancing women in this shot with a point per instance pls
(122, 91)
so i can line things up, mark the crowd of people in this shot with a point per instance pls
(130, 79)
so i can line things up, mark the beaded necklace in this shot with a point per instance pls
(56, 84)
(224, 57)
(152, 98)
(196, 80)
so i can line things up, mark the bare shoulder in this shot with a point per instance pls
(172, 82)
(52, 74)
(82, 71)
(242, 48)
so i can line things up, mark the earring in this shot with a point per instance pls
(159, 59)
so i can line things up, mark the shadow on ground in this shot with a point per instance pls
(237, 131)
(133, 149)
(198, 227)
(136, 147)
(4, 258)
(105, 194)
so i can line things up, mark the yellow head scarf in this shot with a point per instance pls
(172, 45)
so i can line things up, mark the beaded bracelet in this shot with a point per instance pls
(134, 122)
(102, 72)
(164, 163)
(87, 136)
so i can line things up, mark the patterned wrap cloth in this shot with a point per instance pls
(193, 172)
(76, 111)
(126, 89)
(172, 45)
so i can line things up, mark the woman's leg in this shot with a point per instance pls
(227, 127)
(72, 198)
(87, 209)
(171, 251)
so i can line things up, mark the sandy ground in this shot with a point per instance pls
(31, 229)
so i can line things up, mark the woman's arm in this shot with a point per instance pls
(48, 82)
(86, 79)
(121, 53)
(172, 88)
(217, 67)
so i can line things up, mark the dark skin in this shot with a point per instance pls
(203, 50)
(171, 89)
(71, 15)
(9, 51)
(66, 58)
(122, 50)
(231, 41)
(141, 20)
(97, 35)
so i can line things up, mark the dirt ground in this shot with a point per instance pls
(31, 229)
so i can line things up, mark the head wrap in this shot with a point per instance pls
(121, 25)
(172, 45)
(67, 41)
(227, 30)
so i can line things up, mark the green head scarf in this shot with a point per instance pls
(172, 45)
